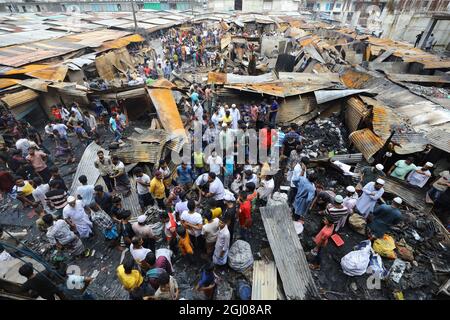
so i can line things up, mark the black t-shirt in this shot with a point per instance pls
(229, 216)
(41, 286)
(105, 202)
(289, 145)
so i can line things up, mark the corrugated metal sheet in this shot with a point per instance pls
(323, 96)
(27, 36)
(122, 42)
(355, 111)
(439, 139)
(86, 167)
(384, 120)
(367, 142)
(264, 285)
(35, 84)
(410, 142)
(139, 152)
(53, 73)
(5, 83)
(110, 22)
(418, 78)
(290, 259)
(414, 197)
(16, 99)
(166, 108)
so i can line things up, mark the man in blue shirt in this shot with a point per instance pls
(273, 112)
(185, 174)
(384, 217)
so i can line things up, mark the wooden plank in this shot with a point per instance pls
(384, 55)
(264, 285)
(290, 258)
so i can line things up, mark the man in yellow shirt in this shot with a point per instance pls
(129, 277)
(24, 192)
(227, 118)
(158, 190)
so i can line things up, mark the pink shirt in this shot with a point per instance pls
(37, 161)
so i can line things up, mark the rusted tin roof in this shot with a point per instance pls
(16, 99)
(355, 111)
(414, 197)
(367, 142)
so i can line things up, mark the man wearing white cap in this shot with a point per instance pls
(420, 176)
(75, 216)
(370, 174)
(235, 116)
(371, 193)
(145, 232)
(350, 199)
(384, 217)
(226, 138)
(336, 212)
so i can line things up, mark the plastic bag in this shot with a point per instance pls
(376, 266)
(357, 223)
(240, 256)
(385, 247)
(355, 262)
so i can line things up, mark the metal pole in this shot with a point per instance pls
(134, 16)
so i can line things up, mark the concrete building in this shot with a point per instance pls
(98, 5)
(258, 6)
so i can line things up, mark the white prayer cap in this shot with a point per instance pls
(350, 189)
(224, 125)
(398, 200)
(233, 105)
(429, 165)
(445, 174)
(71, 199)
(380, 181)
(338, 199)
(141, 218)
(379, 167)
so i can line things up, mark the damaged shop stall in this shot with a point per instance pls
(24, 105)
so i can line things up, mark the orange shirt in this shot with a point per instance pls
(185, 245)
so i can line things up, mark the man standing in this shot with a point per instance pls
(220, 255)
(350, 199)
(40, 189)
(401, 168)
(103, 199)
(305, 195)
(215, 163)
(371, 193)
(38, 160)
(430, 42)
(142, 187)
(235, 116)
(337, 213)
(56, 198)
(105, 167)
(420, 177)
(114, 127)
(273, 112)
(266, 188)
(245, 215)
(384, 217)
(158, 190)
(85, 192)
(75, 216)
(185, 175)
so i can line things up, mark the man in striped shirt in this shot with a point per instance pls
(336, 212)
(56, 198)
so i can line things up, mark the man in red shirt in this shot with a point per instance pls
(245, 215)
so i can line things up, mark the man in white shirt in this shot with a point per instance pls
(210, 231)
(76, 217)
(85, 192)
(61, 128)
(39, 192)
(142, 188)
(137, 250)
(216, 190)
(193, 222)
(24, 145)
(226, 138)
(266, 189)
(249, 176)
(420, 176)
(350, 199)
(215, 163)
(236, 116)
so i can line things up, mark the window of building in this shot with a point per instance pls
(24, 9)
(38, 8)
(318, 6)
(10, 9)
(329, 6)
(140, 6)
(63, 7)
(267, 5)
(338, 5)
(119, 7)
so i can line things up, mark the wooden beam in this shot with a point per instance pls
(290, 258)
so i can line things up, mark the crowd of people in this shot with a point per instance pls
(206, 204)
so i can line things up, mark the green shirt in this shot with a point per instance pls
(402, 169)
